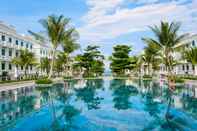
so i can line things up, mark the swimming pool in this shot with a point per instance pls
(99, 105)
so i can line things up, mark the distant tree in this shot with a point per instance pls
(25, 59)
(91, 61)
(120, 60)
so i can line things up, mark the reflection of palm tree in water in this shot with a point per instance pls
(167, 122)
(68, 111)
(47, 96)
(168, 116)
(151, 105)
(60, 93)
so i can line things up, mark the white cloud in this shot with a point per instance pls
(108, 19)
(144, 1)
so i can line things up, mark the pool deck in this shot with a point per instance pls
(15, 85)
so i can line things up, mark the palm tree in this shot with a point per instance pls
(45, 64)
(151, 57)
(191, 56)
(168, 42)
(25, 59)
(56, 28)
(61, 62)
(69, 46)
(70, 41)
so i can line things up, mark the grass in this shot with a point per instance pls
(147, 77)
(68, 77)
(190, 77)
(179, 80)
(44, 81)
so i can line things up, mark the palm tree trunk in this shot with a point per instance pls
(25, 71)
(52, 64)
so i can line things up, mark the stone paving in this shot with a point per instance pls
(15, 85)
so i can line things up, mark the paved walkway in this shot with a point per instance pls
(15, 85)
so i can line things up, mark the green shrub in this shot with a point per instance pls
(190, 77)
(67, 77)
(147, 77)
(179, 80)
(44, 81)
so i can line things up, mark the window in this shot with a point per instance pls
(21, 43)
(10, 40)
(41, 52)
(3, 52)
(16, 53)
(3, 66)
(183, 67)
(193, 43)
(31, 46)
(21, 67)
(16, 42)
(31, 67)
(3, 37)
(187, 67)
(27, 45)
(10, 66)
(10, 52)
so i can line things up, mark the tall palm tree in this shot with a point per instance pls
(25, 59)
(168, 42)
(56, 28)
(191, 56)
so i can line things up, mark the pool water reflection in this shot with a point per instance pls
(99, 105)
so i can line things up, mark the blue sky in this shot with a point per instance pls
(103, 22)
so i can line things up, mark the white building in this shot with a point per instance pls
(10, 45)
(184, 67)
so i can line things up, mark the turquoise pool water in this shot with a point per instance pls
(99, 105)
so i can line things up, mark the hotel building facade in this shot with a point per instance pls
(10, 45)
(183, 67)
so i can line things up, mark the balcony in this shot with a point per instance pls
(7, 44)
(5, 58)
